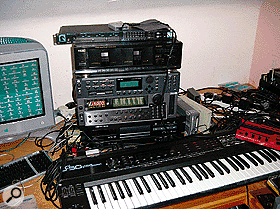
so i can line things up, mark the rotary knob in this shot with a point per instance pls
(157, 99)
(150, 79)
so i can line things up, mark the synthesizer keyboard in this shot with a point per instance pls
(160, 174)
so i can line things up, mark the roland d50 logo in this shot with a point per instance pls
(13, 196)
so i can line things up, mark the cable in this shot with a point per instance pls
(24, 140)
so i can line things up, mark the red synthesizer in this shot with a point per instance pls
(259, 134)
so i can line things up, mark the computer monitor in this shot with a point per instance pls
(25, 89)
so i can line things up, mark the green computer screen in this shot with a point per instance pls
(20, 91)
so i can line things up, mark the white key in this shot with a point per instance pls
(157, 191)
(89, 197)
(121, 201)
(235, 175)
(171, 189)
(114, 202)
(153, 193)
(100, 203)
(190, 185)
(147, 195)
(196, 185)
(166, 192)
(128, 200)
(137, 200)
(108, 202)
(181, 189)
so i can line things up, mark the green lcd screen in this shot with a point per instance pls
(20, 91)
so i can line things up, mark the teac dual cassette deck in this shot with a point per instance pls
(126, 56)
(119, 98)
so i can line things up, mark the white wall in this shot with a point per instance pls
(218, 37)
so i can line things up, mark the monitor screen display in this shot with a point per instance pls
(26, 104)
(20, 91)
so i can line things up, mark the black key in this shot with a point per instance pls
(179, 177)
(196, 173)
(140, 190)
(114, 195)
(240, 159)
(93, 197)
(202, 172)
(164, 183)
(184, 172)
(232, 164)
(156, 182)
(252, 160)
(101, 194)
(120, 190)
(270, 155)
(257, 158)
(146, 185)
(217, 167)
(208, 170)
(264, 156)
(169, 179)
(274, 153)
(239, 164)
(223, 166)
(127, 188)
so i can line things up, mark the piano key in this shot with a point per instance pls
(101, 194)
(208, 170)
(91, 198)
(156, 182)
(146, 194)
(239, 164)
(260, 161)
(98, 198)
(119, 189)
(162, 180)
(204, 174)
(165, 189)
(146, 185)
(218, 180)
(271, 156)
(197, 185)
(170, 189)
(241, 160)
(217, 168)
(170, 180)
(127, 188)
(232, 164)
(113, 192)
(108, 203)
(264, 156)
(274, 153)
(156, 188)
(180, 178)
(223, 166)
(268, 166)
(113, 200)
(137, 185)
(141, 200)
(182, 189)
(187, 176)
(133, 197)
(195, 172)
(233, 176)
(120, 200)
(153, 192)
(251, 159)
(128, 200)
